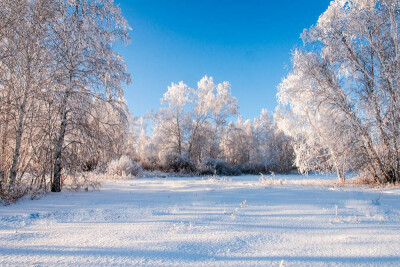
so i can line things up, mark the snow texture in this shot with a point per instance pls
(191, 221)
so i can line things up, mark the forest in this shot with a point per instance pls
(63, 114)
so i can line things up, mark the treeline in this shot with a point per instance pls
(62, 108)
(192, 133)
(341, 102)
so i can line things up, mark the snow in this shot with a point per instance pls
(192, 221)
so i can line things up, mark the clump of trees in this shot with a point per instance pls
(341, 102)
(192, 133)
(62, 108)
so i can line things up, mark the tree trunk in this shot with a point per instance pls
(1, 171)
(18, 139)
(179, 133)
(1, 151)
(56, 183)
(7, 112)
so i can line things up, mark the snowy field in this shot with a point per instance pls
(204, 222)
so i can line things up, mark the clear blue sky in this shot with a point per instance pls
(247, 43)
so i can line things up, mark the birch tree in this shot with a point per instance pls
(213, 105)
(191, 123)
(62, 108)
(171, 122)
(25, 69)
(83, 34)
(343, 90)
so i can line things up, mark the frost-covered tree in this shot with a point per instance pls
(24, 70)
(264, 130)
(61, 99)
(99, 136)
(191, 122)
(81, 39)
(143, 144)
(194, 128)
(213, 105)
(340, 102)
(171, 122)
(273, 148)
(237, 142)
(257, 145)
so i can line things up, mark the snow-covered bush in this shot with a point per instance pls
(212, 166)
(124, 167)
(151, 163)
(176, 163)
(87, 181)
(136, 168)
(254, 168)
(11, 196)
(208, 166)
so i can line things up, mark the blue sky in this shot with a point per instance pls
(247, 43)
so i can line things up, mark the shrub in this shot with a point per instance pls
(90, 165)
(212, 166)
(254, 168)
(176, 163)
(84, 181)
(151, 163)
(9, 196)
(136, 168)
(365, 179)
(124, 167)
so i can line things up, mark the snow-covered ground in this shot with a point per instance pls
(193, 221)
